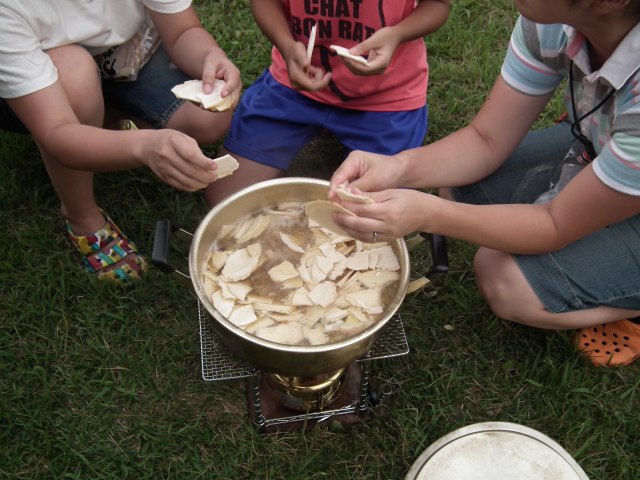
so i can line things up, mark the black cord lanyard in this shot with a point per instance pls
(576, 131)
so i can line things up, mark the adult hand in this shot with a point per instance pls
(176, 159)
(379, 49)
(302, 75)
(394, 214)
(365, 172)
(217, 65)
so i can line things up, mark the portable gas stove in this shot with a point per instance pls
(277, 403)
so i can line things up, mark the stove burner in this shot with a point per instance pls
(271, 414)
(279, 403)
(307, 393)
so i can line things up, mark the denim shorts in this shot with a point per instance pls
(602, 269)
(149, 97)
(273, 123)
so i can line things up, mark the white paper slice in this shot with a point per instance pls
(320, 211)
(348, 196)
(312, 41)
(344, 52)
(191, 90)
(226, 166)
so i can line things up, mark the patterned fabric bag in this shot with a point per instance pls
(123, 62)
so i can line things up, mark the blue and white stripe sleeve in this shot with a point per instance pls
(521, 69)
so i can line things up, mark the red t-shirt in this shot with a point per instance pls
(403, 86)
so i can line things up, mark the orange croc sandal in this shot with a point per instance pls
(610, 345)
(109, 254)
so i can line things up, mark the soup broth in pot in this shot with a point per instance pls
(284, 278)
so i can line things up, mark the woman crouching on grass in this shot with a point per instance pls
(549, 257)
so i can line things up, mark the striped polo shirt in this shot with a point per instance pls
(538, 59)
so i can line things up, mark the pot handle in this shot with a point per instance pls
(439, 256)
(160, 252)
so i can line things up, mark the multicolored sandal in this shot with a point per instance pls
(610, 345)
(109, 254)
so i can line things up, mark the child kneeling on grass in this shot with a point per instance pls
(53, 87)
(549, 257)
(308, 88)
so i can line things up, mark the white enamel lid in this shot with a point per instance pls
(495, 451)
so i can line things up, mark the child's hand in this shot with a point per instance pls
(217, 65)
(176, 159)
(379, 49)
(302, 75)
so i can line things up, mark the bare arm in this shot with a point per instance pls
(477, 150)
(194, 50)
(271, 19)
(468, 155)
(174, 157)
(428, 17)
(50, 114)
(461, 158)
(583, 207)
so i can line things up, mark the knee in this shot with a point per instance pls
(494, 278)
(78, 74)
(214, 128)
(204, 126)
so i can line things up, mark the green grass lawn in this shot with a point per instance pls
(100, 382)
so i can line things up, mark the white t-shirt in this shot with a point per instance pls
(30, 27)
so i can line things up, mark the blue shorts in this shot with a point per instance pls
(149, 97)
(273, 123)
(602, 269)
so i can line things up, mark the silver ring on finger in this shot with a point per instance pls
(374, 236)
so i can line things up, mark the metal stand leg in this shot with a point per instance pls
(255, 401)
(365, 369)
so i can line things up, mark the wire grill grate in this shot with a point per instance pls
(219, 364)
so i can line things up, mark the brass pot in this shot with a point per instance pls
(267, 356)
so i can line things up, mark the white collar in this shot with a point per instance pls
(618, 68)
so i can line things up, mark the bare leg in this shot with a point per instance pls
(248, 173)
(77, 72)
(204, 126)
(78, 76)
(510, 296)
(208, 127)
